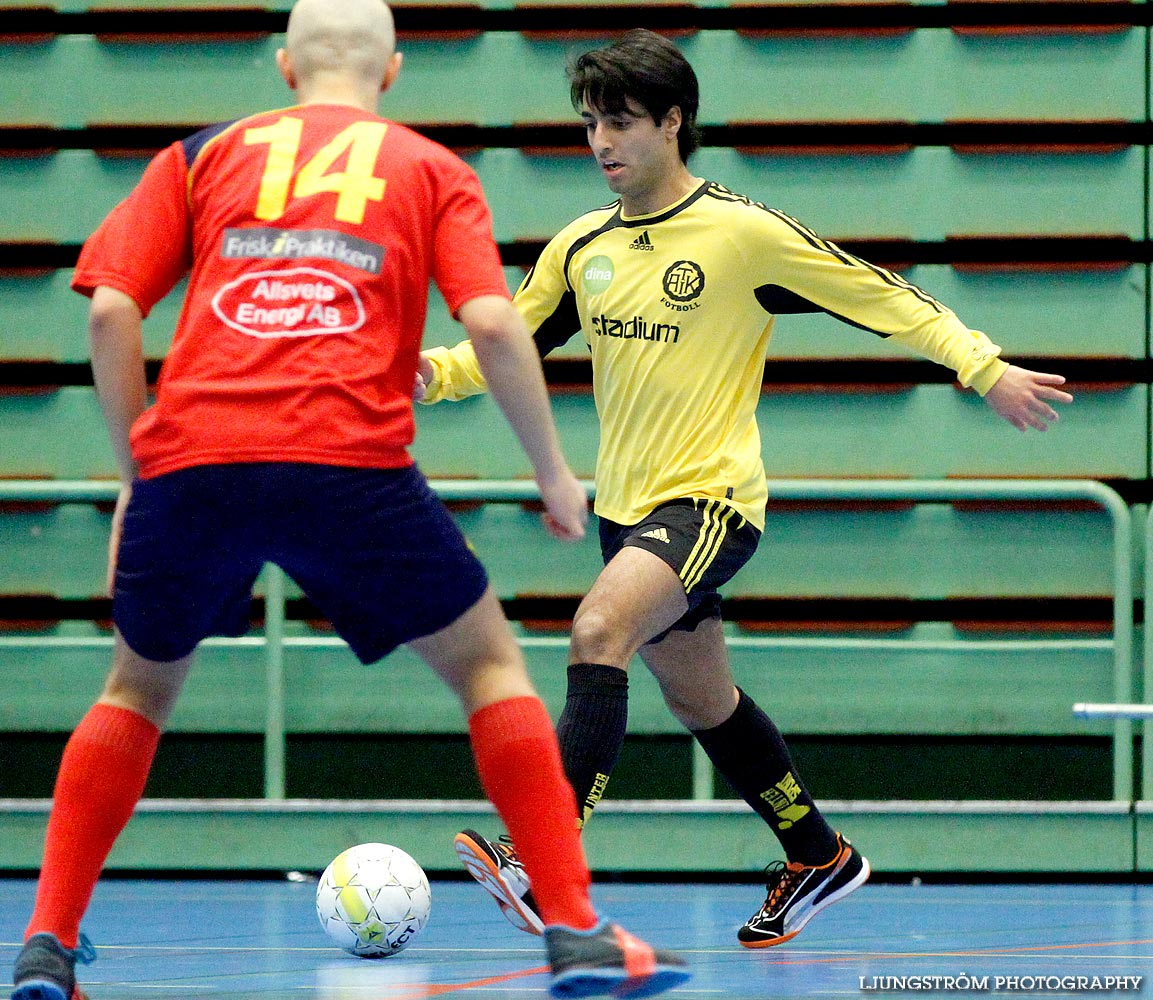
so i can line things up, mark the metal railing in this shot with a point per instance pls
(1142, 712)
(274, 640)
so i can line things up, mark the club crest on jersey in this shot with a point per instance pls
(597, 274)
(293, 302)
(683, 282)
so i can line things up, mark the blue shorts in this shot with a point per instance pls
(373, 549)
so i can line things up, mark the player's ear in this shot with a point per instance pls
(671, 123)
(391, 70)
(284, 64)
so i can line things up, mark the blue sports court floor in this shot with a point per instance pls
(260, 939)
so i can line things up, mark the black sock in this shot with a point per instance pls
(751, 753)
(591, 730)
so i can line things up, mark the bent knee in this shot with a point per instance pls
(600, 636)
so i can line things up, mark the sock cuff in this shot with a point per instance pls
(117, 728)
(523, 717)
(597, 678)
(745, 708)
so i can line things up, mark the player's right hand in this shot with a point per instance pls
(424, 375)
(566, 506)
(1024, 397)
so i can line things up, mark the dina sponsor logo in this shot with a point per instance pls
(294, 302)
(598, 274)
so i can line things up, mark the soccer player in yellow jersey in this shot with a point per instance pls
(675, 286)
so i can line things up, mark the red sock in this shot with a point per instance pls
(101, 778)
(519, 766)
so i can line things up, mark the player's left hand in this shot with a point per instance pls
(1022, 397)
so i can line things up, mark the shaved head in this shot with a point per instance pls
(352, 40)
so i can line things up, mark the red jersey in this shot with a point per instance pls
(311, 233)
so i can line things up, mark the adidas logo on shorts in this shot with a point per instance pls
(642, 242)
(660, 534)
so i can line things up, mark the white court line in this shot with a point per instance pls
(298, 949)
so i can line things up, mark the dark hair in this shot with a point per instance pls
(647, 68)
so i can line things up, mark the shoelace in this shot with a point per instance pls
(505, 846)
(780, 877)
(85, 951)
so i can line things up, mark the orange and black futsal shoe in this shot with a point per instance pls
(797, 893)
(497, 867)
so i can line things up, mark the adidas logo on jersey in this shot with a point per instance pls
(660, 534)
(642, 242)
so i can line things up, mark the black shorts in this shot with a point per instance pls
(704, 541)
(373, 549)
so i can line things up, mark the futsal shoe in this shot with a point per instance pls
(499, 870)
(46, 970)
(608, 960)
(797, 893)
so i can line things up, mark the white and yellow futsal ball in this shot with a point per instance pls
(373, 900)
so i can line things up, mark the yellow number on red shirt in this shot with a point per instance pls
(283, 140)
(354, 186)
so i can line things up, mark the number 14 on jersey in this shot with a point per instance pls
(355, 186)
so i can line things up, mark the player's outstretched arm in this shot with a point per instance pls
(509, 362)
(1023, 397)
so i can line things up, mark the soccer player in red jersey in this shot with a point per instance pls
(280, 433)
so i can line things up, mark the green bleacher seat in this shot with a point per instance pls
(32, 90)
(60, 82)
(932, 192)
(447, 436)
(935, 431)
(929, 75)
(925, 551)
(64, 82)
(1016, 309)
(58, 550)
(926, 194)
(925, 75)
(96, 6)
(522, 559)
(54, 434)
(929, 551)
(440, 329)
(42, 319)
(1102, 314)
(926, 431)
(61, 197)
(914, 688)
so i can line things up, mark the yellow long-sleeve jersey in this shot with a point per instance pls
(677, 308)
